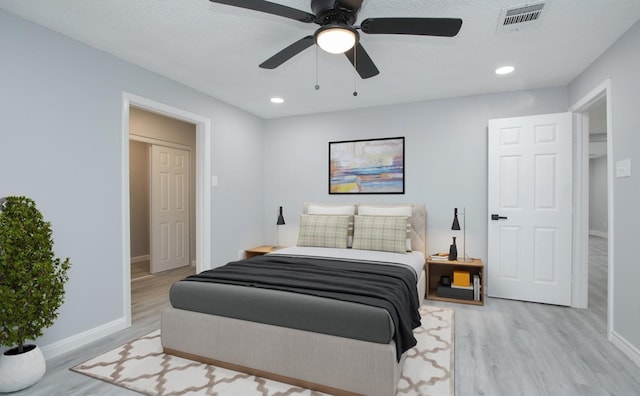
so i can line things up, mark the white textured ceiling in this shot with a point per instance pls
(216, 49)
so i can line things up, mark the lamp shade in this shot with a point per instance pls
(280, 218)
(336, 39)
(456, 225)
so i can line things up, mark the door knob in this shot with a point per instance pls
(497, 217)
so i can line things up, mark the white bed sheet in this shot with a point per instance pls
(414, 259)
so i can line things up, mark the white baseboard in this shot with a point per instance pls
(632, 352)
(146, 257)
(193, 263)
(601, 234)
(76, 341)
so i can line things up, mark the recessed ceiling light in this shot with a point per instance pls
(277, 100)
(505, 70)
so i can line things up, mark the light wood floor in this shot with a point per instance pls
(518, 348)
(598, 276)
(506, 348)
(150, 294)
(140, 269)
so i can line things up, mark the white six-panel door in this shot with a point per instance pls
(169, 208)
(530, 191)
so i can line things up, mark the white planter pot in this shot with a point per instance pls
(21, 371)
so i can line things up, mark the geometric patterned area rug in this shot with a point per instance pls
(141, 366)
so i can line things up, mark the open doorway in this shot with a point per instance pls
(161, 207)
(162, 204)
(598, 204)
(593, 189)
(202, 171)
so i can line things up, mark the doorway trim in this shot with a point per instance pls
(580, 275)
(203, 193)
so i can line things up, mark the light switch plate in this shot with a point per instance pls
(623, 168)
(214, 181)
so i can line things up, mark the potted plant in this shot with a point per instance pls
(31, 290)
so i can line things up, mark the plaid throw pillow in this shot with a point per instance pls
(323, 231)
(383, 233)
(335, 210)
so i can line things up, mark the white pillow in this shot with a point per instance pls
(331, 210)
(364, 210)
(400, 210)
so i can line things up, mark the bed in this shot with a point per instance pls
(331, 345)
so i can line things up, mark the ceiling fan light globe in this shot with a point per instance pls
(336, 39)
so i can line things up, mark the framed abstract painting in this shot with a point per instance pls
(372, 166)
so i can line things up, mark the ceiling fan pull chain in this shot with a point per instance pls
(355, 68)
(317, 85)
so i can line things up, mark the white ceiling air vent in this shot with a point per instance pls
(521, 16)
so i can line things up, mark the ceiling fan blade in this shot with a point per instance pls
(446, 27)
(362, 62)
(288, 53)
(270, 8)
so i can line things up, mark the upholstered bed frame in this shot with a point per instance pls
(322, 362)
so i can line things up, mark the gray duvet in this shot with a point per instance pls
(292, 310)
(360, 300)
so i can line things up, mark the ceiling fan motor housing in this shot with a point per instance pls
(335, 12)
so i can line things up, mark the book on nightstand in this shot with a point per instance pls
(476, 287)
(470, 287)
(462, 278)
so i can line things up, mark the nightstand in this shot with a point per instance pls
(259, 251)
(437, 268)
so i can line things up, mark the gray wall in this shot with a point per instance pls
(61, 144)
(598, 216)
(139, 198)
(445, 159)
(621, 63)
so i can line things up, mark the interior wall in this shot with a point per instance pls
(64, 128)
(445, 159)
(139, 198)
(620, 63)
(147, 124)
(598, 216)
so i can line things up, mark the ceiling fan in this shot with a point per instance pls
(337, 32)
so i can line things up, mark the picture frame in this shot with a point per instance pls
(368, 166)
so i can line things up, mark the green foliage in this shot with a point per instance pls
(31, 279)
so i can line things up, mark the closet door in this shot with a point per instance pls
(169, 208)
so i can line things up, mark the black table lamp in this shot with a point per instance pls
(279, 222)
(456, 227)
